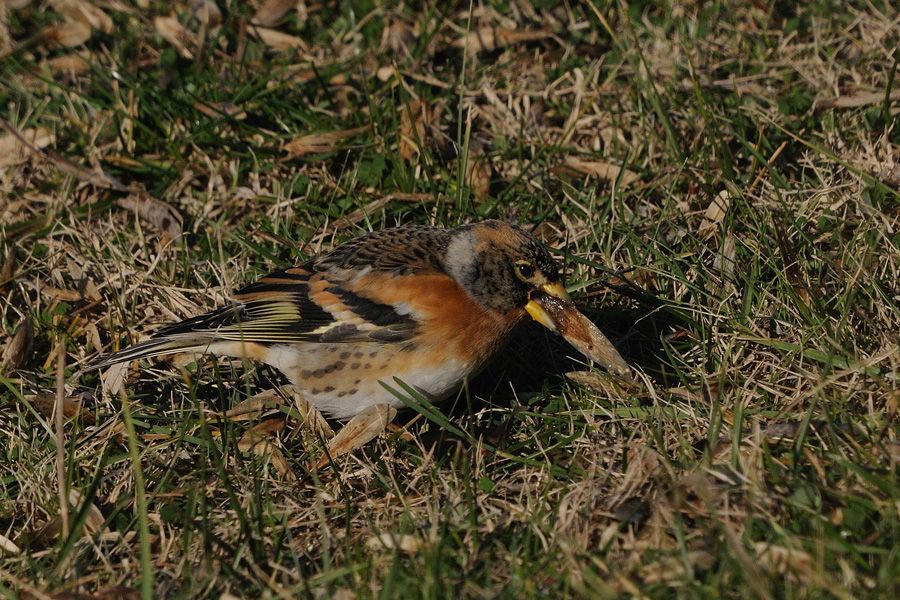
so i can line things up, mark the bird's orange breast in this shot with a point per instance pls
(451, 320)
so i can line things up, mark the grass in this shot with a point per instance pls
(720, 180)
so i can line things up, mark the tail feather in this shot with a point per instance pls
(154, 347)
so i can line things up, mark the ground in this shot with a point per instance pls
(718, 178)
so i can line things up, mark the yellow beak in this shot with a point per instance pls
(536, 309)
(551, 307)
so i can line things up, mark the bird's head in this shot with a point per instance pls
(508, 270)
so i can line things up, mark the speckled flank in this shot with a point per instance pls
(342, 397)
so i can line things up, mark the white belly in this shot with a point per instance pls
(356, 389)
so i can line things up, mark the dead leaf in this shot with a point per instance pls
(94, 521)
(369, 209)
(406, 543)
(399, 37)
(673, 568)
(68, 64)
(385, 73)
(278, 40)
(86, 13)
(7, 546)
(492, 38)
(414, 119)
(258, 439)
(478, 175)
(784, 561)
(156, 212)
(600, 169)
(59, 294)
(19, 348)
(220, 109)
(68, 33)
(45, 404)
(252, 407)
(260, 433)
(92, 334)
(715, 212)
(181, 38)
(318, 143)
(113, 379)
(13, 151)
(96, 177)
(643, 464)
(607, 385)
(8, 270)
(313, 419)
(359, 430)
(272, 11)
(17, 4)
(857, 99)
(207, 12)
(114, 592)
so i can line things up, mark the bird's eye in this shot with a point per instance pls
(524, 270)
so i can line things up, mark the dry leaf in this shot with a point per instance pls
(156, 212)
(45, 404)
(277, 40)
(408, 544)
(715, 212)
(607, 385)
(398, 37)
(220, 109)
(252, 407)
(673, 568)
(784, 561)
(86, 13)
(359, 430)
(92, 334)
(492, 38)
(370, 208)
(68, 64)
(58, 294)
(13, 151)
(113, 379)
(314, 420)
(7, 546)
(114, 592)
(317, 143)
(478, 175)
(855, 100)
(414, 119)
(68, 33)
(272, 11)
(88, 289)
(207, 12)
(17, 4)
(260, 433)
(643, 464)
(8, 270)
(35, 143)
(176, 34)
(258, 440)
(93, 523)
(603, 170)
(19, 348)
(384, 73)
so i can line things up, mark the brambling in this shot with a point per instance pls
(427, 305)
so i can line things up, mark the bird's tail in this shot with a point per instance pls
(158, 346)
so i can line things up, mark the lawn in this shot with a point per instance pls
(719, 179)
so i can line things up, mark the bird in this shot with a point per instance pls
(427, 305)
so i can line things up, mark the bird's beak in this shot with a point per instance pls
(551, 307)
